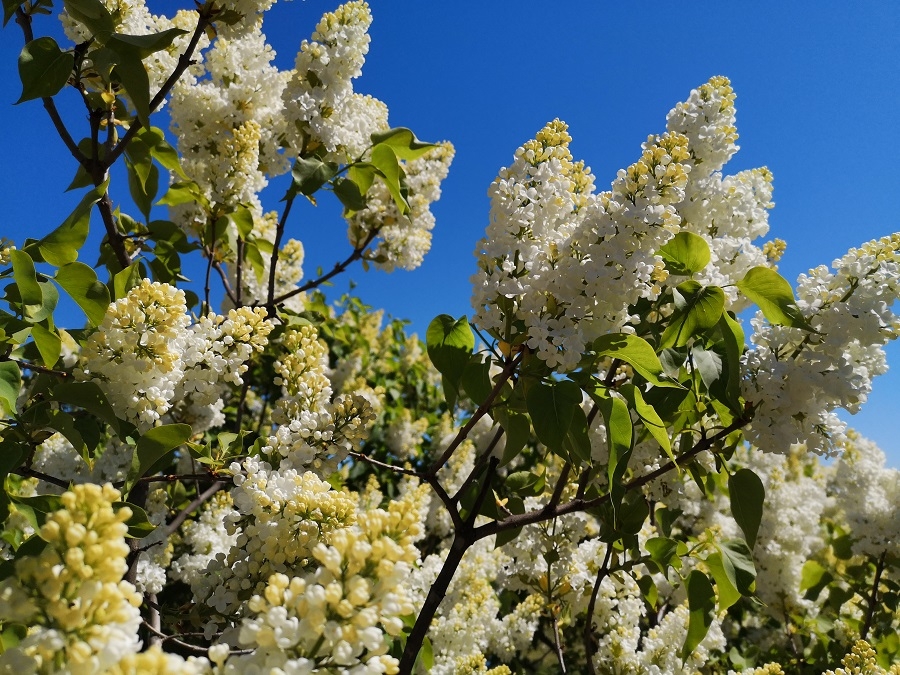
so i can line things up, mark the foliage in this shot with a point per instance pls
(596, 472)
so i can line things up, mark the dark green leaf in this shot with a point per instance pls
(697, 308)
(747, 496)
(61, 246)
(350, 194)
(577, 442)
(619, 436)
(551, 407)
(310, 174)
(155, 444)
(518, 431)
(450, 342)
(709, 364)
(686, 254)
(94, 15)
(733, 341)
(43, 68)
(145, 45)
(702, 604)
(82, 285)
(774, 295)
(523, 483)
(637, 352)
(139, 525)
(89, 396)
(9, 9)
(10, 384)
(143, 192)
(476, 380)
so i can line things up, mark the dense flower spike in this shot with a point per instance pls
(795, 379)
(84, 618)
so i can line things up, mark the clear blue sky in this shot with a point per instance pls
(818, 103)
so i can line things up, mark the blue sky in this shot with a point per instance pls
(818, 100)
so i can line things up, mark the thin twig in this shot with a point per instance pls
(558, 644)
(39, 369)
(479, 462)
(31, 473)
(201, 499)
(185, 61)
(276, 245)
(589, 641)
(873, 598)
(507, 372)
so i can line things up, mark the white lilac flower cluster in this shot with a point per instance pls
(337, 615)
(314, 432)
(57, 457)
(278, 518)
(204, 538)
(728, 212)
(868, 495)
(320, 106)
(229, 122)
(795, 379)
(150, 361)
(560, 264)
(84, 618)
(403, 240)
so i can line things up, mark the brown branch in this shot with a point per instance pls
(116, 239)
(31, 473)
(479, 463)
(873, 599)
(273, 263)
(507, 372)
(40, 369)
(337, 269)
(578, 505)
(201, 499)
(589, 641)
(24, 21)
(185, 61)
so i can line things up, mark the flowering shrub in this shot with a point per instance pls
(611, 479)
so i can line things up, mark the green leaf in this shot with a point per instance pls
(774, 296)
(139, 525)
(143, 191)
(737, 560)
(726, 591)
(350, 194)
(709, 364)
(425, 659)
(61, 246)
(686, 254)
(125, 280)
(129, 71)
(9, 9)
(814, 575)
(155, 140)
(747, 496)
(10, 384)
(48, 343)
(43, 68)
(384, 159)
(523, 483)
(26, 280)
(183, 192)
(155, 444)
(403, 142)
(90, 397)
(697, 308)
(310, 174)
(636, 352)
(64, 423)
(476, 378)
(94, 15)
(577, 442)
(518, 431)
(619, 436)
(551, 407)
(450, 343)
(702, 604)
(652, 421)
(145, 45)
(81, 284)
(664, 552)
(733, 341)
